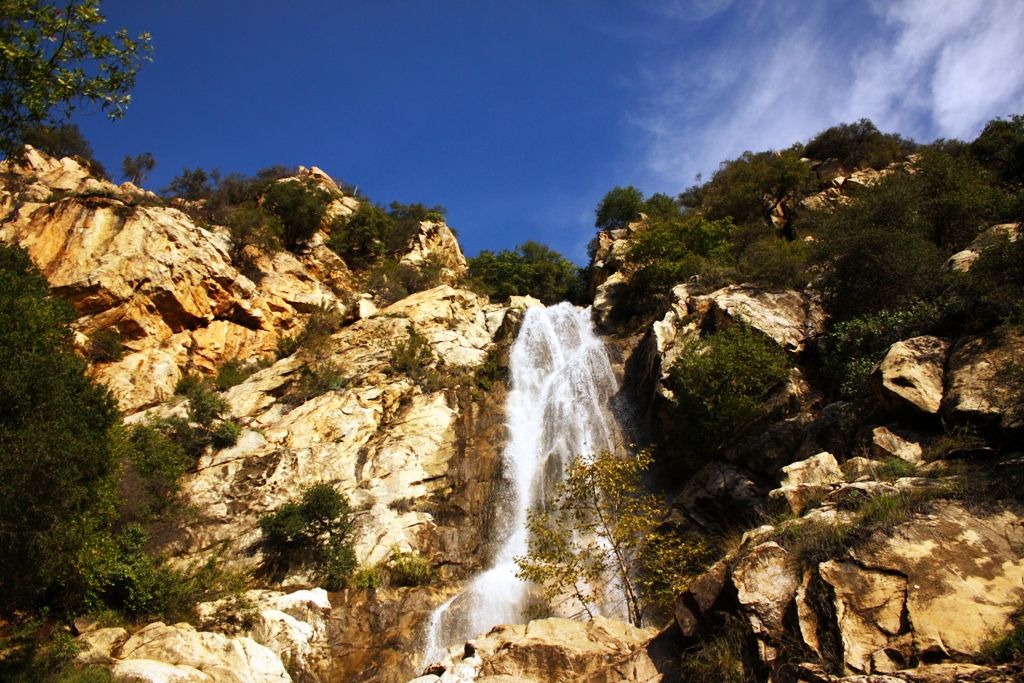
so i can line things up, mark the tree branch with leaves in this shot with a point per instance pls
(54, 58)
(602, 534)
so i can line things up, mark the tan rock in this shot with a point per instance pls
(99, 645)
(963, 261)
(984, 383)
(909, 377)
(211, 656)
(885, 443)
(168, 287)
(562, 650)
(869, 611)
(790, 318)
(766, 579)
(435, 241)
(605, 297)
(380, 440)
(950, 562)
(808, 479)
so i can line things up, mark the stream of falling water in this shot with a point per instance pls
(557, 409)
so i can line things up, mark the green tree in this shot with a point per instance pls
(300, 205)
(720, 382)
(620, 206)
(55, 59)
(319, 523)
(191, 185)
(532, 268)
(57, 467)
(362, 238)
(858, 145)
(748, 188)
(1001, 148)
(135, 169)
(597, 530)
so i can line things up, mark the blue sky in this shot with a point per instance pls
(519, 116)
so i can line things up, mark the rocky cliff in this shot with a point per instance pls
(855, 546)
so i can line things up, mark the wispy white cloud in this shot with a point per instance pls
(781, 73)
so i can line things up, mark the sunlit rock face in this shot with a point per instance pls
(177, 293)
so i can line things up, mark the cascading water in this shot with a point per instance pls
(557, 409)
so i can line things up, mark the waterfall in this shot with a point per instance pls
(557, 409)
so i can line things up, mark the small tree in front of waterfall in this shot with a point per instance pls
(597, 537)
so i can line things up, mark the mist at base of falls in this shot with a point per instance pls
(560, 385)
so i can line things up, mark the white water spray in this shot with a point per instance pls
(557, 409)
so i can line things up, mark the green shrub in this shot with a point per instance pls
(747, 188)
(152, 466)
(105, 346)
(896, 468)
(372, 232)
(993, 290)
(814, 541)
(775, 262)
(315, 379)
(1004, 648)
(286, 346)
(720, 383)
(850, 349)
(188, 383)
(206, 423)
(360, 238)
(250, 224)
(300, 205)
(876, 270)
(338, 561)
(667, 252)
(225, 434)
(408, 568)
(391, 280)
(957, 198)
(413, 356)
(367, 577)
(205, 406)
(620, 206)
(191, 185)
(858, 145)
(1000, 147)
(490, 372)
(531, 269)
(318, 525)
(717, 656)
(668, 562)
(233, 372)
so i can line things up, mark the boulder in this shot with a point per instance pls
(718, 497)
(435, 242)
(790, 318)
(766, 580)
(555, 651)
(292, 625)
(909, 377)
(159, 653)
(605, 297)
(895, 593)
(807, 479)
(963, 261)
(985, 381)
(700, 597)
(886, 443)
